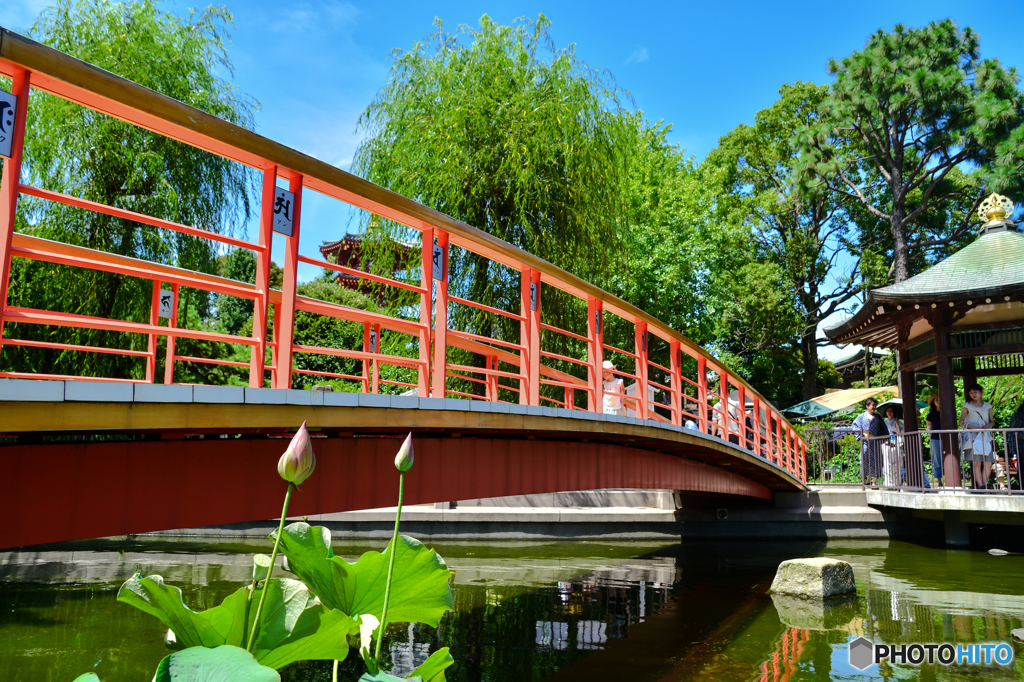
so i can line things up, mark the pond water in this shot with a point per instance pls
(565, 611)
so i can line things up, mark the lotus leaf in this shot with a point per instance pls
(220, 664)
(419, 589)
(295, 626)
(87, 677)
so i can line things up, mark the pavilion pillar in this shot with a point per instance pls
(947, 410)
(913, 449)
(968, 369)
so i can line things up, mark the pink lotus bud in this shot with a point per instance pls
(297, 462)
(403, 460)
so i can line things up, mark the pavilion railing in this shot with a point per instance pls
(843, 457)
(513, 366)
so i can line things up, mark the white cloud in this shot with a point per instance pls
(638, 56)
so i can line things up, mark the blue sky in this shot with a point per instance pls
(704, 67)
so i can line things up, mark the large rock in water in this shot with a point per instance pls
(819, 578)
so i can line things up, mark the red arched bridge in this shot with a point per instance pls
(93, 456)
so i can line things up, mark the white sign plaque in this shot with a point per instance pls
(8, 109)
(373, 340)
(284, 211)
(166, 303)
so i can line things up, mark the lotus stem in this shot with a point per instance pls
(270, 571)
(248, 606)
(391, 567)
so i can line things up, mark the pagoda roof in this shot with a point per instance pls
(989, 267)
(352, 239)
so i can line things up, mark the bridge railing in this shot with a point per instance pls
(907, 461)
(506, 367)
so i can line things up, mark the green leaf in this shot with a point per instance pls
(87, 677)
(419, 590)
(432, 669)
(221, 664)
(295, 627)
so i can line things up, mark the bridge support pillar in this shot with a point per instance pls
(957, 532)
(439, 267)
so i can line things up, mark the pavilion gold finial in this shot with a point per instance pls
(995, 207)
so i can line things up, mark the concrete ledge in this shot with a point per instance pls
(99, 391)
(265, 396)
(218, 394)
(31, 390)
(947, 501)
(163, 393)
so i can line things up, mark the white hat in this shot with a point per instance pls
(607, 364)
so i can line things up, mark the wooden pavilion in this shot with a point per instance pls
(964, 316)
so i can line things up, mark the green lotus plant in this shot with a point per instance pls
(309, 618)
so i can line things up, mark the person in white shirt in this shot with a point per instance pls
(614, 390)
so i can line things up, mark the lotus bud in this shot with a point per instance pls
(297, 462)
(403, 460)
(260, 566)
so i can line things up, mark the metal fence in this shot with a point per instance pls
(909, 461)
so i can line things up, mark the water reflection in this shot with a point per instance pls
(696, 611)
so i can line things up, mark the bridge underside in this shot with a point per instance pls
(188, 465)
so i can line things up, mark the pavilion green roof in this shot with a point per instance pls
(989, 266)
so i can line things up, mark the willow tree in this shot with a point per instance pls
(496, 127)
(77, 151)
(917, 104)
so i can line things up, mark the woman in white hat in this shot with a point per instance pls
(614, 390)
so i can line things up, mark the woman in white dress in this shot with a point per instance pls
(893, 451)
(976, 415)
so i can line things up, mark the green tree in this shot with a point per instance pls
(77, 151)
(496, 127)
(915, 104)
(775, 304)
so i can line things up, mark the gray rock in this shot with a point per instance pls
(818, 578)
(1018, 634)
(816, 614)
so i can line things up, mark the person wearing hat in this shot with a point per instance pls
(614, 390)
(934, 424)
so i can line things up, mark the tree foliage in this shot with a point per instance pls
(915, 105)
(76, 151)
(798, 238)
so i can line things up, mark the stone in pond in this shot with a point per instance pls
(819, 578)
(1018, 634)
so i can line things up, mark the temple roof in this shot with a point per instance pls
(352, 239)
(988, 268)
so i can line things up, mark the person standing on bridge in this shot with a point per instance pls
(871, 431)
(614, 390)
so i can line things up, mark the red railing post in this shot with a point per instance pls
(529, 337)
(440, 363)
(375, 349)
(723, 394)
(366, 363)
(491, 387)
(9, 187)
(675, 364)
(702, 393)
(426, 300)
(291, 273)
(154, 319)
(258, 353)
(595, 354)
(641, 341)
(277, 341)
(171, 323)
(756, 421)
(741, 395)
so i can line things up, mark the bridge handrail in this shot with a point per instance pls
(33, 65)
